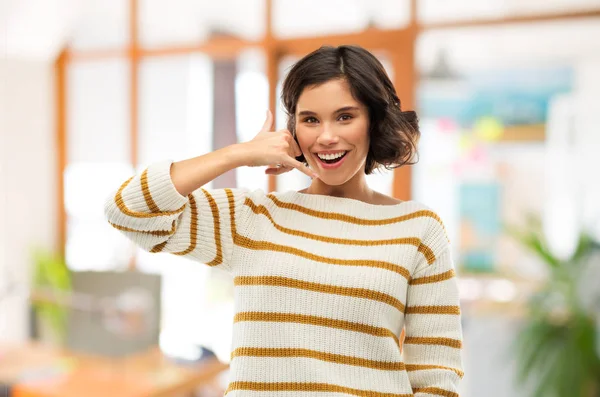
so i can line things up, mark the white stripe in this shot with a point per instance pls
(315, 337)
(294, 267)
(440, 293)
(163, 192)
(312, 303)
(401, 255)
(430, 354)
(423, 378)
(433, 325)
(303, 369)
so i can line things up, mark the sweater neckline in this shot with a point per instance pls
(322, 200)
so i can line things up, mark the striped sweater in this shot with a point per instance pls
(323, 286)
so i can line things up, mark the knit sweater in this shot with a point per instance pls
(323, 286)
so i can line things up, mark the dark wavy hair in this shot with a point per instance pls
(394, 133)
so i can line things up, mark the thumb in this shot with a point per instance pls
(268, 125)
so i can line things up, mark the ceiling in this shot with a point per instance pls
(39, 29)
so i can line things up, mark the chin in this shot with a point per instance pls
(334, 178)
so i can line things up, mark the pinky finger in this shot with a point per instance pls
(276, 171)
(303, 168)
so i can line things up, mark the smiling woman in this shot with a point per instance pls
(327, 277)
(342, 105)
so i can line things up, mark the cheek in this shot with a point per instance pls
(359, 136)
(304, 139)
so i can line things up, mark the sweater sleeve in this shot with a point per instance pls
(149, 210)
(433, 343)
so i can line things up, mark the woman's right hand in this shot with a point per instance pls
(275, 149)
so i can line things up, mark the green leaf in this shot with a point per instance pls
(584, 245)
(532, 240)
(51, 273)
(558, 359)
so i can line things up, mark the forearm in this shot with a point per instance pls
(191, 174)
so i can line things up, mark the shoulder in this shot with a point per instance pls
(383, 199)
(434, 236)
(435, 228)
(427, 223)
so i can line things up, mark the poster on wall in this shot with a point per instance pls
(480, 225)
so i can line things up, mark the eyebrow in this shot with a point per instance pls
(344, 109)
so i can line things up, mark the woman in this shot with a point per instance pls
(325, 278)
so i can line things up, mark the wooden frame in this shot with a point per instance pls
(398, 43)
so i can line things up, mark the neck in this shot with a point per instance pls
(356, 188)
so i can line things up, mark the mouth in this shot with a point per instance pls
(331, 160)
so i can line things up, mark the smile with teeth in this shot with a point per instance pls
(331, 158)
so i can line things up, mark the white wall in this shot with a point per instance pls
(27, 181)
(588, 140)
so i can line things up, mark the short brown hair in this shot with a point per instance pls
(394, 133)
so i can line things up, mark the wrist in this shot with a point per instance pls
(237, 155)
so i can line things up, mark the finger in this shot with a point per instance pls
(295, 149)
(268, 125)
(277, 166)
(277, 171)
(287, 132)
(301, 167)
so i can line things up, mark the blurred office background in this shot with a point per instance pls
(507, 91)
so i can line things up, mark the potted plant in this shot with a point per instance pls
(51, 279)
(557, 348)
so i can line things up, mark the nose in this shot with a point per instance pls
(328, 136)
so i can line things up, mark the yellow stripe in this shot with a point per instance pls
(305, 387)
(159, 247)
(193, 227)
(157, 233)
(121, 205)
(217, 229)
(146, 190)
(435, 390)
(267, 246)
(317, 355)
(427, 252)
(315, 320)
(230, 199)
(262, 210)
(425, 367)
(193, 231)
(433, 310)
(352, 219)
(275, 281)
(436, 278)
(455, 343)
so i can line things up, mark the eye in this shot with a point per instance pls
(310, 120)
(346, 117)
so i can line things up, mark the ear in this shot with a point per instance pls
(301, 157)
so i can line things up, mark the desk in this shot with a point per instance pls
(35, 370)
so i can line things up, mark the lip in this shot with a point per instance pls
(331, 166)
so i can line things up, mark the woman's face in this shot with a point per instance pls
(332, 129)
